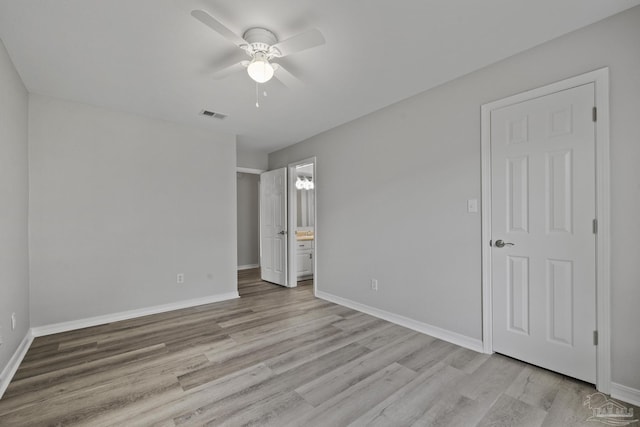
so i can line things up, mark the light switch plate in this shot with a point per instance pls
(472, 205)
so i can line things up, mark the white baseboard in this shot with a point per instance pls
(248, 266)
(55, 328)
(626, 394)
(10, 370)
(434, 331)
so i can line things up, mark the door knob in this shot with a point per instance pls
(502, 244)
(282, 232)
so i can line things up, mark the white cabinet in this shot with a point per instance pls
(304, 258)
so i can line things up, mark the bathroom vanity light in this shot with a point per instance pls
(304, 183)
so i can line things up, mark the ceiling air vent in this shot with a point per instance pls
(213, 114)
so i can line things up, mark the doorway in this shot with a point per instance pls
(545, 227)
(288, 225)
(248, 221)
(302, 222)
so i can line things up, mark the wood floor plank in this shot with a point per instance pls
(253, 316)
(452, 410)
(59, 356)
(320, 347)
(147, 331)
(156, 411)
(324, 388)
(352, 402)
(428, 355)
(264, 318)
(283, 340)
(34, 383)
(78, 408)
(167, 364)
(491, 379)
(535, 386)
(567, 409)
(507, 411)
(276, 410)
(385, 336)
(238, 360)
(411, 402)
(356, 322)
(277, 326)
(217, 412)
(466, 360)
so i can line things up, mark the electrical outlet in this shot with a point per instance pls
(13, 321)
(180, 278)
(374, 284)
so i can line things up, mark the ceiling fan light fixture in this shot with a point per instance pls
(259, 69)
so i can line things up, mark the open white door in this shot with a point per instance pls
(273, 226)
(543, 208)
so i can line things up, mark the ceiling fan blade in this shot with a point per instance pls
(303, 41)
(285, 77)
(227, 71)
(218, 27)
(229, 58)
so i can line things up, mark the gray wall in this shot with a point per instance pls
(392, 189)
(248, 219)
(252, 159)
(14, 201)
(119, 205)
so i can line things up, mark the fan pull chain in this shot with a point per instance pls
(264, 93)
(257, 97)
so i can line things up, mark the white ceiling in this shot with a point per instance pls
(151, 57)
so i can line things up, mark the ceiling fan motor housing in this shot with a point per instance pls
(260, 40)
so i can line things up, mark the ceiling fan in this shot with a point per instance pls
(262, 46)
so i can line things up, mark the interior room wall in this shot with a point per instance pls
(392, 189)
(14, 202)
(252, 159)
(248, 219)
(120, 204)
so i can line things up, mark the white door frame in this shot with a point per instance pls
(293, 215)
(250, 170)
(600, 78)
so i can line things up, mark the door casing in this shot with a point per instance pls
(600, 78)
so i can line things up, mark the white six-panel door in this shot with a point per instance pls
(273, 226)
(543, 207)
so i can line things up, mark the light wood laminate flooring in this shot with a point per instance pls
(280, 357)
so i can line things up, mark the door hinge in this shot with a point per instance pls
(595, 337)
(595, 226)
(594, 114)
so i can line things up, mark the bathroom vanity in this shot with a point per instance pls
(304, 258)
